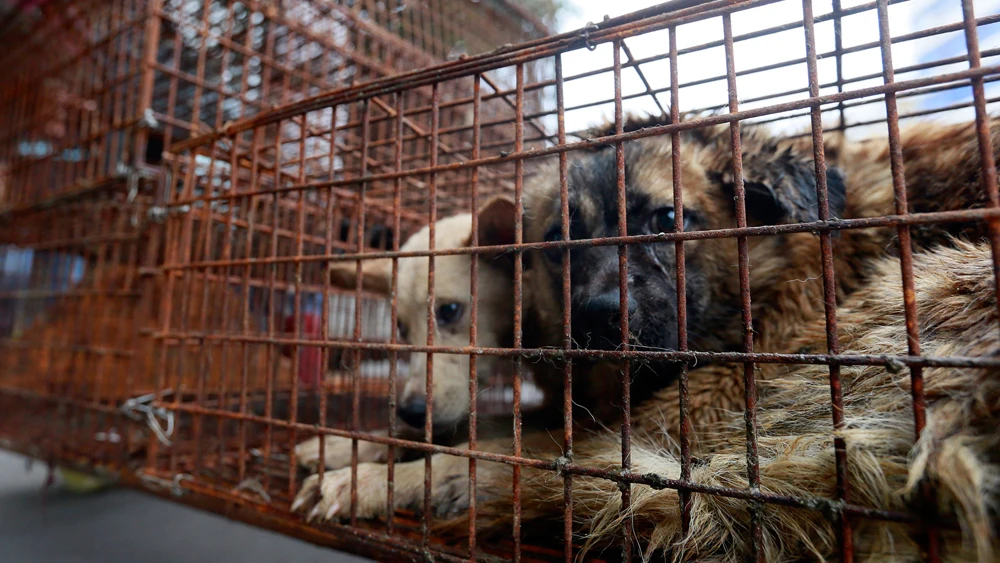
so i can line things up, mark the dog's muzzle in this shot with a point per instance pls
(597, 320)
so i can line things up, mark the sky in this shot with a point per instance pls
(858, 29)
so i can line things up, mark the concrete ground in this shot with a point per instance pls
(125, 526)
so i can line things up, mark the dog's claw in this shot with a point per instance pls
(333, 511)
(330, 500)
(314, 513)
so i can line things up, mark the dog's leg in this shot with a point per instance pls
(337, 450)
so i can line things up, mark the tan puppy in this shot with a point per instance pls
(453, 303)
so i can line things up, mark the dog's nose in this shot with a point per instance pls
(605, 306)
(413, 412)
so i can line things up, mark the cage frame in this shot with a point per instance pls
(614, 31)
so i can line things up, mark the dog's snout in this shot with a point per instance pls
(606, 306)
(413, 412)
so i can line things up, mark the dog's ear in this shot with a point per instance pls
(780, 184)
(375, 275)
(496, 227)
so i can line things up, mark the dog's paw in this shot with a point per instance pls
(331, 498)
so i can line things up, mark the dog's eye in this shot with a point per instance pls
(448, 313)
(401, 332)
(662, 220)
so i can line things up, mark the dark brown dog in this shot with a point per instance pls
(786, 286)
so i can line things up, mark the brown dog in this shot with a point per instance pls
(786, 284)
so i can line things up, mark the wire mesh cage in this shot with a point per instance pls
(428, 313)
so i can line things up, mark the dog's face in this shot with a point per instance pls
(452, 307)
(780, 188)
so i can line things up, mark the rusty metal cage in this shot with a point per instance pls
(215, 256)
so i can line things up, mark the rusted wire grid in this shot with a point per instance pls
(353, 58)
(430, 254)
(639, 22)
(655, 481)
(430, 349)
(96, 169)
(79, 350)
(412, 181)
(837, 53)
(741, 115)
(982, 21)
(286, 69)
(867, 102)
(429, 25)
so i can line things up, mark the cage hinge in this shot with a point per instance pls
(159, 419)
(585, 35)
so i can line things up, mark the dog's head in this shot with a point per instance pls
(452, 306)
(780, 187)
